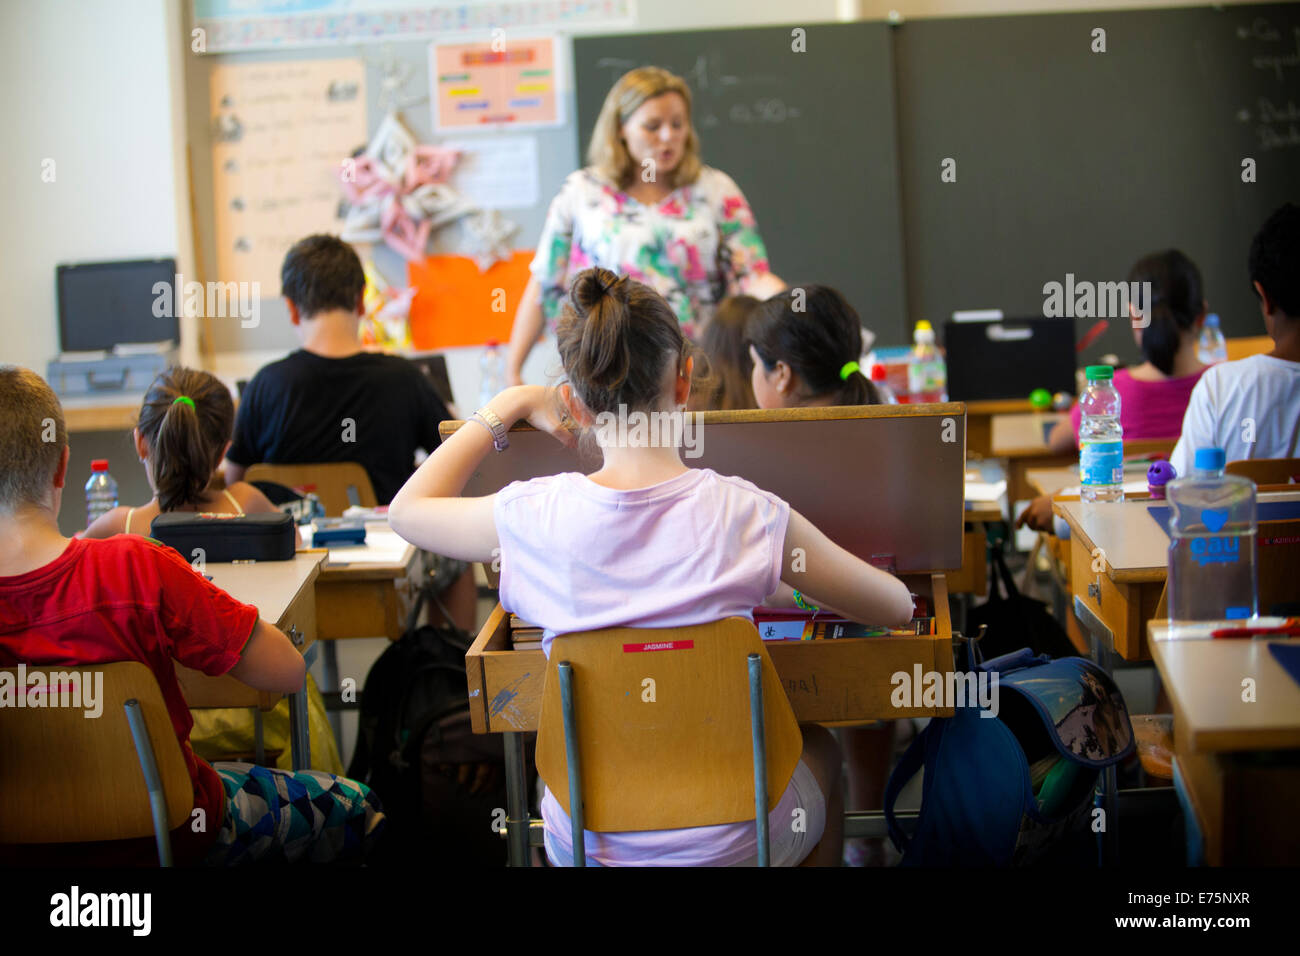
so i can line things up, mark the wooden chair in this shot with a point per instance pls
(1266, 471)
(656, 727)
(71, 778)
(335, 482)
(1149, 447)
(1248, 346)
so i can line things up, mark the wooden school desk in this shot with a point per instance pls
(979, 422)
(1237, 761)
(1116, 603)
(368, 591)
(830, 465)
(1022, 441)
(284, 594)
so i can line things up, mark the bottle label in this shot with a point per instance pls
(1101, 463)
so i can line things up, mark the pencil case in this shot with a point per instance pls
(222, 538)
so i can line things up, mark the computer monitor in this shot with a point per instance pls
(106, 304)
(434, 366)
(1009, 358)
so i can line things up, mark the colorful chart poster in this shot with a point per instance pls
(501, 82)
(279, 133)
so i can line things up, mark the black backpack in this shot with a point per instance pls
(416, 750)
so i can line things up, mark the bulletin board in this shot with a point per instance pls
(399, 66)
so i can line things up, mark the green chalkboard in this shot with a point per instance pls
(1075, 161)
(809, 137)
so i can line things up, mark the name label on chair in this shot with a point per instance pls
(658, 646)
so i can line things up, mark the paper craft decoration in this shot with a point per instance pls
(279, 132)
(505, 81)
(397, 191)
(458, 304)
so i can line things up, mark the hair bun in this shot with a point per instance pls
(591, 286)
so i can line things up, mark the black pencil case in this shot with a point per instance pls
(260, 537)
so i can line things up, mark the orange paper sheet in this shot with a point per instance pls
(458, 305)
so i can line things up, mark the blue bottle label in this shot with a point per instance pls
(1101, 463)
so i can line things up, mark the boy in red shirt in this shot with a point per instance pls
(76, 602)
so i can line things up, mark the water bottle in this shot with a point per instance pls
(927, 378)
(492, 373)
(1101, 439)
(1211, 347)
(101, 491)
(1212, 573)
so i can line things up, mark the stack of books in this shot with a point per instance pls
(524, 636)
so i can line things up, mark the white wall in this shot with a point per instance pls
(86, 84)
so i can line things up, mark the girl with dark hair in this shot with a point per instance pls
(1154, 395)
(182, 434)
(725, 344)
(184, 429)
(805, 343)
(644, 541)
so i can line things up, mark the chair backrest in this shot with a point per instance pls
(1266, 471)
(74, 778)
(664, 735)
(1149, 447)
(329, 480)
(1246, 347)
(1278, 554)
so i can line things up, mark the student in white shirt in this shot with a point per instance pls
(1251, 408)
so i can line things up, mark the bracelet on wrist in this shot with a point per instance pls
(799, 602)
(497, 428)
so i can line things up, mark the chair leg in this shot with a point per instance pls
(565, 670)
(760, 756)
(152, 782)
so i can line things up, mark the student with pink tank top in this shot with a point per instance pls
(642, 542)
(1154, 395)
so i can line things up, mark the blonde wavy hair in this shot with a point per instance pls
(608, 153)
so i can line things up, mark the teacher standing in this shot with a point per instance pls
(646, 207)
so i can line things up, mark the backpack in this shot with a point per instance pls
(416, 750)
(1058, 723)
(1013, 619)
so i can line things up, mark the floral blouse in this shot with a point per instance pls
(697, 246)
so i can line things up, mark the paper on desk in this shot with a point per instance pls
(382, 547)
(985, 490)
(1130, 488)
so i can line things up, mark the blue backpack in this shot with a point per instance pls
(1006, 790)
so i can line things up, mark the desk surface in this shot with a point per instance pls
(1204, 681)
(1023, 436)
(999, 406)
(1134, 546)
(1054, 481)
(384, 555)
(270, 586)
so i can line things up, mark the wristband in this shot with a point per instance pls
(489, 420)
(801, 603)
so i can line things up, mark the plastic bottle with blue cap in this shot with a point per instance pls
(1212, 569)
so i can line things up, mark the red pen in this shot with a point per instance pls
(1290, 629)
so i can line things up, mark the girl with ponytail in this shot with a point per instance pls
(1154, 395)
(644, 541)
(184, 429)
(805, 343)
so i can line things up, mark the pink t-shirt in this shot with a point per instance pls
(576, 556)
(1148, 410)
